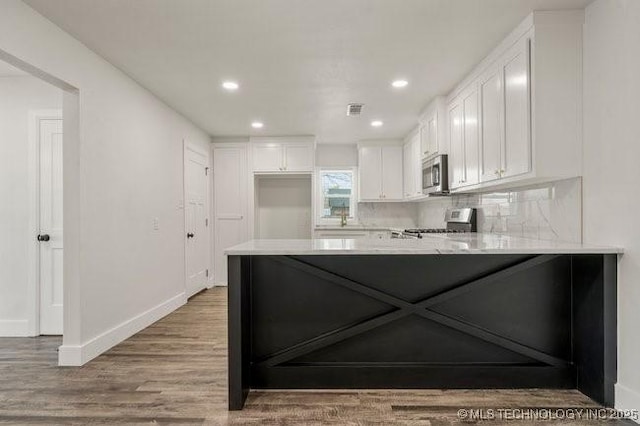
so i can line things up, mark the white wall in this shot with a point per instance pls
(18, 95)
(329, 155)
(611, 172)
(126, 170)
(283, 207)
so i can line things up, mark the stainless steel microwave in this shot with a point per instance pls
(435, 176)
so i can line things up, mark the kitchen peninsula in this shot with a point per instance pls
(445, 311)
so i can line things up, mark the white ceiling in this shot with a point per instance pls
(299, 62)
(7, 70)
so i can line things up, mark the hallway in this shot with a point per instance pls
(174, 372)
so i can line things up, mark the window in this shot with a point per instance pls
(336, 195)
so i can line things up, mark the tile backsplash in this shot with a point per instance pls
(549, 212)
(392, 215)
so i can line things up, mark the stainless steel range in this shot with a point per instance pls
(458, 221)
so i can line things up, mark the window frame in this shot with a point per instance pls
(353, 205)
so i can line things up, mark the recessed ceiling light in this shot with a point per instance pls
(400, 83)
(230, 85)
(376, 123)
(257, 125)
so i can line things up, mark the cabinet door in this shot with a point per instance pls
(341, 235)
(268, 157)
(432, 130)
(381, 235)
(298, 157)
(517, 154)
(470, 136)
(491, 128)
(392, 172)
(417, 166)
(429, 136)
(408, 170)
(369, 173)
(230, 183)
(456, 156)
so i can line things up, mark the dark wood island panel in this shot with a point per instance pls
(422, 321)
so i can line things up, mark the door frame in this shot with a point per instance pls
(33, 281)
(188, 146)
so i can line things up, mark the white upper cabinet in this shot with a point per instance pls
(463, 130)
(407, 170)
(370, 176)
(280, 155)
(267, 157)
(456, 145)
(517, 147)
(505, 103)
(412, 166)
(432, 129)
(470, 135)
(516, 119)
(298, 157)
(491, 135)
(380, 172)
(392, 173)
(416, 158)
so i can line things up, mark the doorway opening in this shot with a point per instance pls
(283, 206)
(31, 251)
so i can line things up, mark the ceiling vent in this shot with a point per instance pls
(354, 109)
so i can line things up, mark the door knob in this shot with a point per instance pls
(44, 237)
(190, 235)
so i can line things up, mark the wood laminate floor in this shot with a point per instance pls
(174, 372)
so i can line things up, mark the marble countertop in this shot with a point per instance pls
(481, 243)
(355, 228)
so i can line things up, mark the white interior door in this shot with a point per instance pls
(50, 235)
(230, 182)
(196, 219)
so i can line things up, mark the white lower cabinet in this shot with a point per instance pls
(342, 234)
(380, 235)
(352, 234)
(380, 173)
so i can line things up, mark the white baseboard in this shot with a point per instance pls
(627, 398)
(220, 284)
(76, 355)
(14, 328)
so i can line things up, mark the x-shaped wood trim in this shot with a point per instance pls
(407, 308)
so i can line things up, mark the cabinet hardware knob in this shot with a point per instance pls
(190, 235)
(44, 237)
